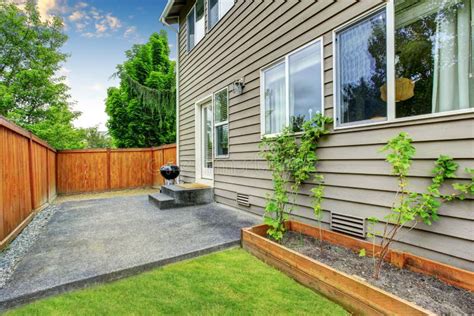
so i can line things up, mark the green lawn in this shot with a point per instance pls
(225, 283)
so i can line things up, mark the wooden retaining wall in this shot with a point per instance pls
(28, 178)
(96, 170)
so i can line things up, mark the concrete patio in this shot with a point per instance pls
(93, 241)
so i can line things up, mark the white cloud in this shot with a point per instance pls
(130, 31)
(100, 28)
(76, 16)
(113, 22)
(46, 8)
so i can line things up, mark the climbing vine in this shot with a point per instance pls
(412, 207)
(292, 160)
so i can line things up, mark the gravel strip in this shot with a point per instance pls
(16, 250)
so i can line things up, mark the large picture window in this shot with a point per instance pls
(292, 90)
(433, 56)
(196, 26)
(221, 123)
(217, 10)
(431, 62)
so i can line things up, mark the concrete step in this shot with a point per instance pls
(161, 200)
(185, 196)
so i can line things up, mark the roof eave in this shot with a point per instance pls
(170, 14)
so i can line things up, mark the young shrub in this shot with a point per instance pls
(411, 207)
(291, 161)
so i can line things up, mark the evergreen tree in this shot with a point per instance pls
(141, 110)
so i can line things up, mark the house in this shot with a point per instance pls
(248, 68)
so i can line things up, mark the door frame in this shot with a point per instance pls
(198, 131)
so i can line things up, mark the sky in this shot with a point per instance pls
(100, 31)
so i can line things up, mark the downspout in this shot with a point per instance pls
(176, 31)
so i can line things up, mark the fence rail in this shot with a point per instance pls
(32, 173)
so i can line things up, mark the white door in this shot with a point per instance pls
(206, 142)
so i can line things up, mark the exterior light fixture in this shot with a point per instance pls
(238, 86)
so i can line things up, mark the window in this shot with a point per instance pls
(433, 56)
(292, 90)
(221, 123)
(431, 62)
(361, 70)
(217, 9)
(196, 26)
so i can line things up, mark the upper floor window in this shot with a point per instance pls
(292, 89)
(196, 25)
(217, 9)
(431, 62)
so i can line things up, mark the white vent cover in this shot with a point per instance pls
(347, 224)
(243, 199)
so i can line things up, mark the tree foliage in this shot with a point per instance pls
(96, 139)
(31, 93)
(141, 110)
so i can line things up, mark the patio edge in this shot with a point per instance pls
(110, 277)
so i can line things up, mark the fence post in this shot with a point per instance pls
(30, 160)
(109, 182)
(47, 174)
(152, 168)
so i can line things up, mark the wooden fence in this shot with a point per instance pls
(28, 178)
(32, 173)
(96, 170)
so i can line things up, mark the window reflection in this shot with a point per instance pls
(434, 56)
(361, 66)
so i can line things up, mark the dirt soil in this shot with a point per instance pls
(426, 291)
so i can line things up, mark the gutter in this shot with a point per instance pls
(176, 31)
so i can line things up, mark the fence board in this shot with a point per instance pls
(96, 170)
(32, 173)
(24, 184)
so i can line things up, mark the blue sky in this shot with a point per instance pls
(99, 33)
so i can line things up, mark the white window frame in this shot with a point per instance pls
(389, 8)
(285, 61)
(226, 122)
(219, 18)
(193, 9)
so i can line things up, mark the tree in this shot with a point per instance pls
(31, 94)
(141, 110)
(97, 139)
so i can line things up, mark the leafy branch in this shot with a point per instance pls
(292, 160)
(411, 206)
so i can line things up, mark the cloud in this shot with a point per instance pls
(130, 31)
(113, 22)
(76, 16)
(46, 8)
(92, 22)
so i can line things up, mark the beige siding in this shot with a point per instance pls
(256, 33)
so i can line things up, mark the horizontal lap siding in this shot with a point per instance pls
(358, 181)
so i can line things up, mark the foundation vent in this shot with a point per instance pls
(243, 199)
(346, 224)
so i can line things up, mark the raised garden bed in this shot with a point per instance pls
(300, 258)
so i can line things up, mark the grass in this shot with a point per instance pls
(225, 283)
